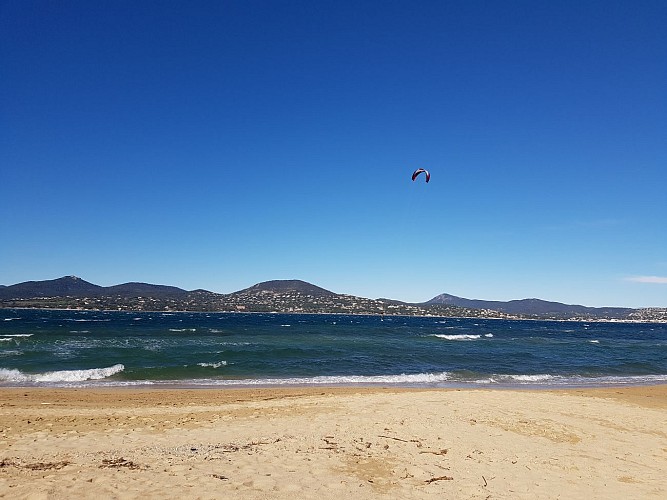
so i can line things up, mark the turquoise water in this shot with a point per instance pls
(86, 348)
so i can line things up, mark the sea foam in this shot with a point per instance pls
(12, 375)
(213, 365)
(402, 379)
(461, 337)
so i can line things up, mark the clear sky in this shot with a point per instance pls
(219, 144)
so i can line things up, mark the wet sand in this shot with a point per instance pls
(333, 442)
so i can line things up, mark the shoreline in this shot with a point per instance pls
(326, 442)
(426, 381)
(194, 385)
(651, 394)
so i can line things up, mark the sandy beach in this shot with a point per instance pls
(333, 443)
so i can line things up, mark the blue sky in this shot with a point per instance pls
(219, 144)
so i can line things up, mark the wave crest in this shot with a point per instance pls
(213, 365)
(13, 375)
(461, 337)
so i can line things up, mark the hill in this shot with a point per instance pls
(67, 286)
(532, 307)
(145, 290)
(73, 286)
(285, 286)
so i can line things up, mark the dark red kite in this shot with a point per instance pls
(419, 171)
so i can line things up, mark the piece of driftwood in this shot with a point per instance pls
(396, 439)
(441, 452)
(441, 478)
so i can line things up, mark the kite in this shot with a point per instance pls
(419, 171)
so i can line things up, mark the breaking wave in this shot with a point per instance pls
(17, 376)
(404, 379)
(461, 337)
(213, 365)
(444, 379)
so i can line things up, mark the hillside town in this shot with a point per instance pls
(265, 301)
(295, 302)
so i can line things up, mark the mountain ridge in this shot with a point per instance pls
(525, 306)
(73, 286)
(290, 296)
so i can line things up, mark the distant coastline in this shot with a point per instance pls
(294, 296)
(352, 313)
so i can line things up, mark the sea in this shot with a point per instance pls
(66, 348)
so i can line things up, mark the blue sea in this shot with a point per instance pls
(90, 348)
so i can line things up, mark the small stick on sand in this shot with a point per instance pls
(441, 478)
(396, 439)
(441, 452)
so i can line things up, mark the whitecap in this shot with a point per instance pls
(530, 378)
(86, 320)
(460, 337)
(13, 375)
(213, 365)
(511, 380)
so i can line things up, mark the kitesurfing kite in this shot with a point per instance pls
(419, 171)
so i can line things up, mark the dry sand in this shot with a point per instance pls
(333, 443)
